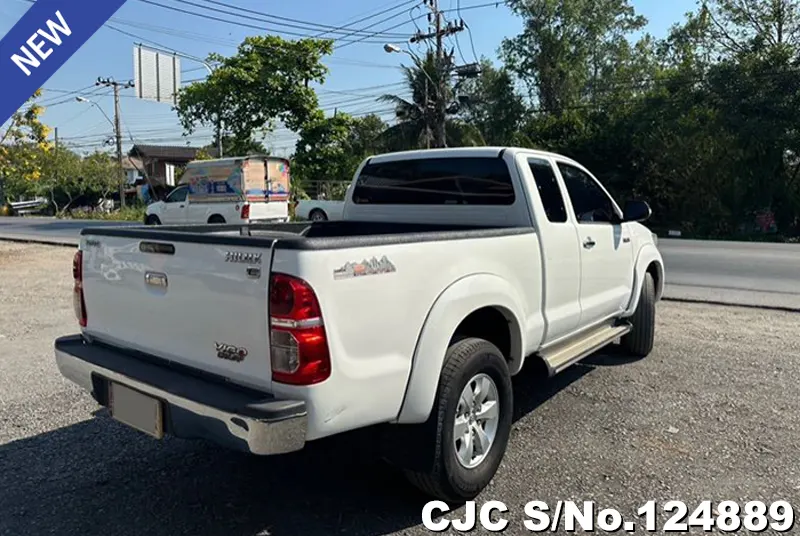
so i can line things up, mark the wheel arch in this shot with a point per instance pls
(319, 210)
(647, 261)
(479, 305)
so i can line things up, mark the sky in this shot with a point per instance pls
(360, 69)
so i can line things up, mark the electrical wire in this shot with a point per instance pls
(267, 17)
(234, 23)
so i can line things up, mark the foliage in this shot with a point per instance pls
(495, 107)
(203, 154)
(701, 124)
(129, 213)
(330, 149)
(22, 144)
(239, 147)
(569, 49)
(418, 119)
(266, 80)
(67, 179)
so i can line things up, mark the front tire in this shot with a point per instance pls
(318, 215)
(639, 341)
(470, 422)
(152, 219)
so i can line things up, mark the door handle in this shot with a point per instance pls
(181, 206)
(589, 243)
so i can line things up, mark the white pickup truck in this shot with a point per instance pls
(319, 209)
(451, 269)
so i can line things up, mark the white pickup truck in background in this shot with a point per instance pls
(319, 210)
(237, 190)
(450, 270)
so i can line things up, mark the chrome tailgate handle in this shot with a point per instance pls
(156, 279)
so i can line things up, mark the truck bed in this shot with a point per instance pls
(308, 235)
(192, 294)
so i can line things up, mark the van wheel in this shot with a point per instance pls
(152, 219)
(216, 218)
(470, 423)
(639, 341)
(318, 215)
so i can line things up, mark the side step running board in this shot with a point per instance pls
(573, 350)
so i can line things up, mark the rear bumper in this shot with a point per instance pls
(193, 407)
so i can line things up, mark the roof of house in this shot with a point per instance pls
(131, 162)
(168, 152)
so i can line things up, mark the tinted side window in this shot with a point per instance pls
(177, 195)
(549, 192)
(590, 202)
(435, 181)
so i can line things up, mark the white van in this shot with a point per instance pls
(227, 190)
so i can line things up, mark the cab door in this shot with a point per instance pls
(174, 210)
(561, 255)
(606, 252)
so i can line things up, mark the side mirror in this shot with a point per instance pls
(636, 211)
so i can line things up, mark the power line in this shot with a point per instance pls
(267, 17)
(226, 21)
(378, 14)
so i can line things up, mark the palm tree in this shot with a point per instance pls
(417, 117)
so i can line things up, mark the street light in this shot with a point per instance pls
(389, 48)
(118, 136)
(91, 102)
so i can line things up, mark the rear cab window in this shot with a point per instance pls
(435, 181)
(549, 191)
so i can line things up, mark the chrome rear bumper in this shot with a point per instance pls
(194, 407)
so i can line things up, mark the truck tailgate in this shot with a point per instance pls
(201, 305)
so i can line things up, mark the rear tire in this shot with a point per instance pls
(152, 219)
(468, 362)
(318, 215)
(216, 218)
(639, 341)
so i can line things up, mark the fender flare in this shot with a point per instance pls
(648, 254)
(453, 305)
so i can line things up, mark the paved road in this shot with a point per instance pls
(733, 272)
(50, 229)
(711, 414)
(749, 273)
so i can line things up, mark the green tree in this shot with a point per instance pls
(417, 117)
(569, 48)
(68, 179)
(365, 134)
(330, 149)
(22, 144)
(736, 26)
(322, 153)
(265, 81)
(495, 107)
(232, 146)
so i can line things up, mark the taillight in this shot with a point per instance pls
(78, 301)
(298, 343)
(245, 211)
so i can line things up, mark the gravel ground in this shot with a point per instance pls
(711, 414)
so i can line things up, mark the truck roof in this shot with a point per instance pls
(458, 151)
(231, 159)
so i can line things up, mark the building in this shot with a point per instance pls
(132, 167)
(159, 162)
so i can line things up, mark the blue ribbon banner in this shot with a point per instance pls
(42, 41)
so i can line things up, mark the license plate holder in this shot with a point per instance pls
(135, 409)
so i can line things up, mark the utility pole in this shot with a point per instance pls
(438, 31)
(55, 133)
(110, 82)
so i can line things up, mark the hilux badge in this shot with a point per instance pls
(241, 257)
(230, 352)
